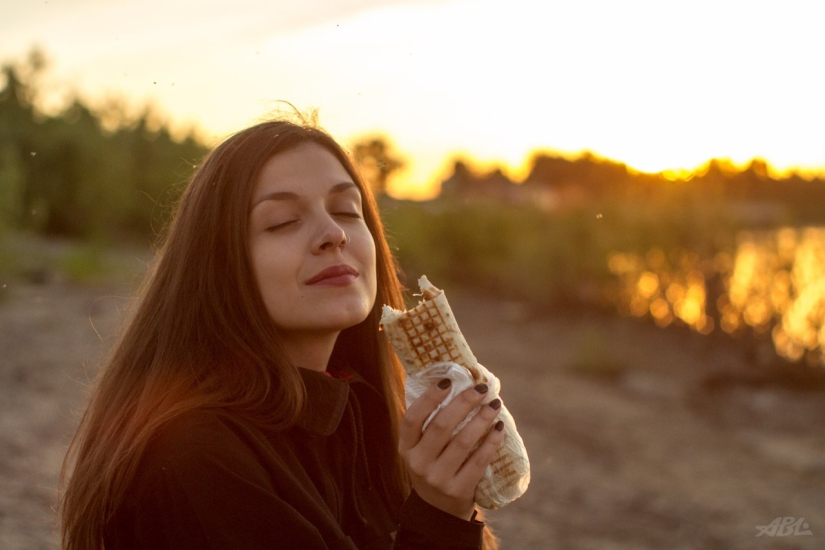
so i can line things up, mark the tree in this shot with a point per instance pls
(70, 174)
(377, 162)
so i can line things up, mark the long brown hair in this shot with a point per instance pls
(201, 337)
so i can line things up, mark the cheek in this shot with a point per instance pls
(366, 250)
(273, 290)
(258, 261)
(371, 261)
(364, 253)
(258, 272)
(267, 274)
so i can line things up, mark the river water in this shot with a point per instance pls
(771, 283)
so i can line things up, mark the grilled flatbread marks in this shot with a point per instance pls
(428, 333)
(427, 336)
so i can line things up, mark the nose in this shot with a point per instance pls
(329, 237)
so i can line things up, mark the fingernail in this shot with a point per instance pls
(481, 388)
(444, 384)
(495, 404)
(499, 425)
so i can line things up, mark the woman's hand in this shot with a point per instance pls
(445, 469)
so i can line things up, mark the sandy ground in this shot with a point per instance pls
(639, 438)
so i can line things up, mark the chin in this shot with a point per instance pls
(351, 319)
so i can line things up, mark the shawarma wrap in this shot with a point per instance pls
(430, 346)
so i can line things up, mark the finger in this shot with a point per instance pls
(473, 469)
(441, 427)
(417, 413)
(467, 439)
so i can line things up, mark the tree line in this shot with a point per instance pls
(791, 198)
(69, 174)
(98, 174)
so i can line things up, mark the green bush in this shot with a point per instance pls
(548, 258)
(77, 174)
(82, 263)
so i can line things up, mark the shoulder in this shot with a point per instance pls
(207, 479)
(195, 432)
(200, 445)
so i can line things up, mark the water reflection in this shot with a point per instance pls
(773, 281)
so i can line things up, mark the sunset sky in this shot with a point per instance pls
(658, 85)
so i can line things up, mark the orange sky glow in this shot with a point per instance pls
(656, 85)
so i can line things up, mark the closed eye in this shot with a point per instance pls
(355, 215)
(280, 225)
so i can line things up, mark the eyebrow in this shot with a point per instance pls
(290, 196)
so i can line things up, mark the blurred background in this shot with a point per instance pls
(624, 200)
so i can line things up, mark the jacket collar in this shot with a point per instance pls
(326, 401)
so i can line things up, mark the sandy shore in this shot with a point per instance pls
(635, 439)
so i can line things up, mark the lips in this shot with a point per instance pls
(337, 274)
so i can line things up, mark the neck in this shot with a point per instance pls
(310, 350)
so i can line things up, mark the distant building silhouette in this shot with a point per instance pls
(553, 183)
(753, 195)
(464, 185)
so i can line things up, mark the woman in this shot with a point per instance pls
(251, 402)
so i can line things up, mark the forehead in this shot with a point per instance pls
(304, 170)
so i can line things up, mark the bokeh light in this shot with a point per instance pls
(773, 283)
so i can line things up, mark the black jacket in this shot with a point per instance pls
(209, 480)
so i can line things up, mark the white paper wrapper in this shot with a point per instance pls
(508, 475)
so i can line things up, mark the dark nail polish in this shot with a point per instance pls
(481, 388)
(444, 384)
(499, 425)
(495, 404)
